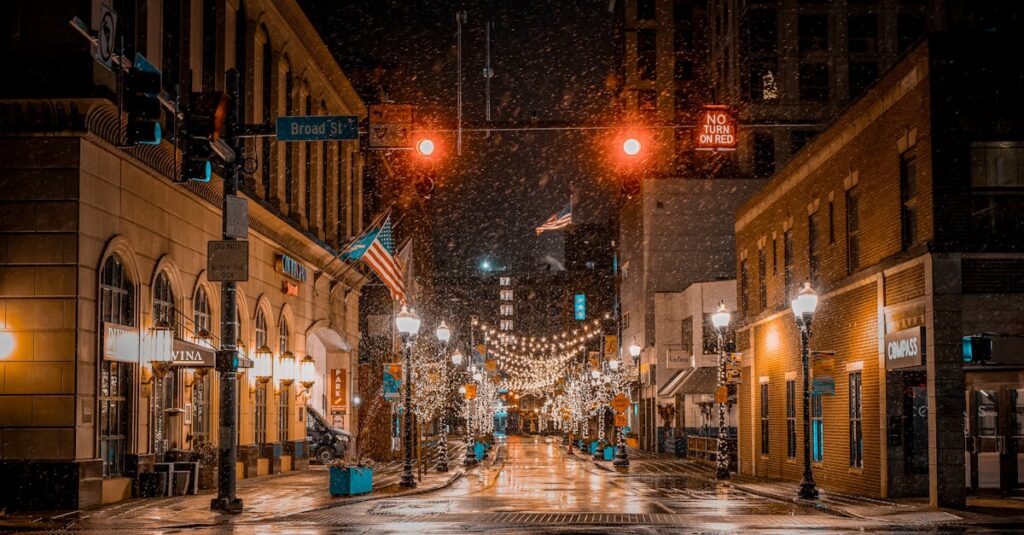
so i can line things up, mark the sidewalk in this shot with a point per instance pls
(989, 512)
(265, 499)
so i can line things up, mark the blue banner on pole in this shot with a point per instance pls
(317, 128)
(580, 306)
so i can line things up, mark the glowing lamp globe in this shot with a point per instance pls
(720, 319)
(307, 372)
(634, 350)
(595, 374)
(613, 364)
(805, 303)
(457, 358)
(631, 147)
(407, 321)
(286, 369)
(443, 333)
(462, 390)
(477, 376)
(262, 366)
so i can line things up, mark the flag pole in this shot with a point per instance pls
(341, 250)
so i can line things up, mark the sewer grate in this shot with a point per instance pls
(410, 508)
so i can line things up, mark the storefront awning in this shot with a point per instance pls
(672, 386)
(703, 380)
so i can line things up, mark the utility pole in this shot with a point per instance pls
(227, 357)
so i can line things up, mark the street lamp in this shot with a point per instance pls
(443, 335)
(634, 350)
(803, 311)
(720, 319)
(408, 324)
(307, 373)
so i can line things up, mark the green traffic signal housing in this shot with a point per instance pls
(205, 122)
(977, 349)
(142, 102)
(195, 160)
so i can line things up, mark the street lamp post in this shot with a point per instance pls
(803, 311)
(408, 324)
(443, 335)
(720, 320)
(621, 458)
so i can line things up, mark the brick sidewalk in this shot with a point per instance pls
(264, 498)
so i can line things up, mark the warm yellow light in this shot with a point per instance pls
(6, 344)
(631, 146)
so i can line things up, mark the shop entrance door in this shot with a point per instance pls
(995, 439)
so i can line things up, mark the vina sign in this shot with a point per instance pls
(716, 130)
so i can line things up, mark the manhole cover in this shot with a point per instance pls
(405, 508)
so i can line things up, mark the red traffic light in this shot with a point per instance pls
(425, 147)
(631, 146)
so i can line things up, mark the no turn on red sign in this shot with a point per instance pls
(717, 129)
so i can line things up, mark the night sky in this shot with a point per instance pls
(552, 61)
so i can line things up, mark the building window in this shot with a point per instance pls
(646, 54)
(775, 255)
(862, 30)
(163, 300)
(763, 31)
(791, 418)
(261, 413)
(505, 281)
(283, 334)
(817, 429)
(686, 335)
(862, 75)
(814, 261)
(744, 287)
(117, 305)
(813, 81)
(164, 388)
(764, 419)
(268, 113)
(852, 230)
(645, 9)
(202, 322)
(647, 103)
(856, 430)
(261, 329)
(289, 148)
(284, 407)
(799, 138)
(506, 325)
(831, 222)
(764, 154)
(909, 28)
(787, 263)
(908, 198)
(506, 310)
(625, 320)
(813, 30)
(201, 406)
(762, 280)
(506, 295)
(997, 191)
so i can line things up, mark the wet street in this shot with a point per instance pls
(535, 486)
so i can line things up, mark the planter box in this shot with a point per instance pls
(351, 481)
(609, 453)
(478, 450)
(207, 478)
(593, 447)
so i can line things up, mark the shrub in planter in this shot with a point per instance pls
(349, 479)
(206, 454)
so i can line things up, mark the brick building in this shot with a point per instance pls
(904, 215)
(100, 246)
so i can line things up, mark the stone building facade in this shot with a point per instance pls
(900, 216)
(100, 250)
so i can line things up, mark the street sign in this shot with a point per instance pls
(580, 306)
(107, 38)
(716, 130)
(620, 403)
(621, 420)
(390, 125)
(722, 394)
(470, 391)
(317, 128)
(236, 217)
(227, 261)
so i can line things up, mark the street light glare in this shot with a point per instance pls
(425, 147)
(631, 146)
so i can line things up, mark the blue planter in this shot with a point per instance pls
(478, 450)
(593, 447)
(351, 481)
(609, 453)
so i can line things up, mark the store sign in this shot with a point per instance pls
(823, 373)
(717, 129)
(338, 398)
(121, 343)
(289, 288)
(191, 355)
(904, 349)
(290, 267)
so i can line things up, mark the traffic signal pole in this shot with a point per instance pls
(227, 361)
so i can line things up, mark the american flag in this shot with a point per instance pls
(557, 221)
(377, 248)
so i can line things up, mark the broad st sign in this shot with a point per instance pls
(904, 349)
(717, 129)
(317, 128)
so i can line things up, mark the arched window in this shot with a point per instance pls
(117, 305)
(201, 320)
(261, 329)
(284, 334)
(165, 390)
(163, 300)
(267, 108)
(289, 148)
(323, 178)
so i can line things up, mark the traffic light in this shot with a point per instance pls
(142, 102)
(977, 349)
(205, 123)
(631, 146)
(425, 147)
(630, 185)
